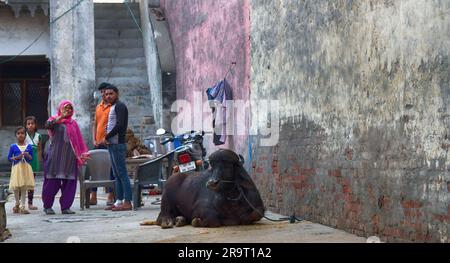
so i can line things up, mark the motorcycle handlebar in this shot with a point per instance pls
(192, 134)
(167, 140)
(201, 133)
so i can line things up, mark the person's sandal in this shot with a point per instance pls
(49, 211)
(16, 209)
(32, 207)
(23, 211)
(122, 208)
(111, 207)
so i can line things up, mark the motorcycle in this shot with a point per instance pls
(190, 154)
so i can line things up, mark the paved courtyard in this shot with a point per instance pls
(99, 226)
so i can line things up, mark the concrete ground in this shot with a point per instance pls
(95, 225)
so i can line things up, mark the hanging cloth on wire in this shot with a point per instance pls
(218, 95)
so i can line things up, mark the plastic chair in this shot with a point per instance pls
(95, 173)
(147, 174)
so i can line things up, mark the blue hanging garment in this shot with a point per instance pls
(217, 97)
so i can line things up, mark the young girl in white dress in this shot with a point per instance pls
(22, 178)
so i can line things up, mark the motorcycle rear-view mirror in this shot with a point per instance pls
(160, 132)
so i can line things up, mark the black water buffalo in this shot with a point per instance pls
(219, 196)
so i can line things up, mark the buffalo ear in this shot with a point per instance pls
(241, 160)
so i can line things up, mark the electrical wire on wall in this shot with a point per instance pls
(40, 34)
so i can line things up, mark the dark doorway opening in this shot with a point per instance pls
(24, 90)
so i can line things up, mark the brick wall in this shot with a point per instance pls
(364, 93)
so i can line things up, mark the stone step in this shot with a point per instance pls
(119, 43)
(113, 34)
(116, 15)
(116, 11)
(132, 105)
(120, 53)
(136, 71)
(115, 6)
(128, 92)
(124, 82)
(119, 62)
(121, 15)
(135, 91)
(127, 23)
(136, 119)
(120, 56)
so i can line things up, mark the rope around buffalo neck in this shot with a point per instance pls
(291, 219)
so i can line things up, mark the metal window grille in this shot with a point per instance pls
(36, 100)
(12, 103)
(21, 98)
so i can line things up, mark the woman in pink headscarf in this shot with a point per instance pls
(63, 158)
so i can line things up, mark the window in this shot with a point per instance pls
(23, 92)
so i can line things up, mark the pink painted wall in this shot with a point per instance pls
(207, 36)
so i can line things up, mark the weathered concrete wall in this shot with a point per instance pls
(17, 33)
(73, 60)
(364, 107)
(161, 32)
(169, 95)
(208, 36)
(152, 61)
(7, 137)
